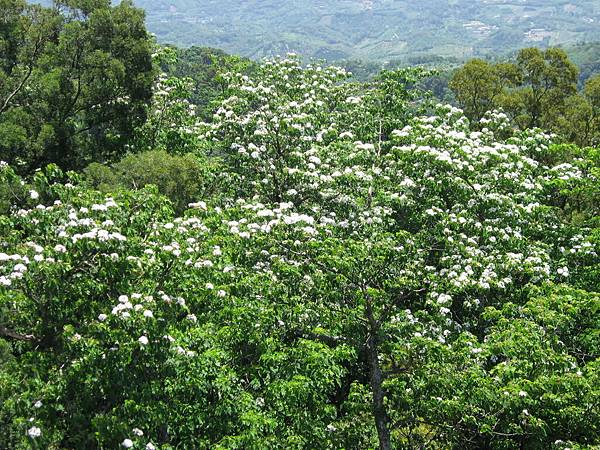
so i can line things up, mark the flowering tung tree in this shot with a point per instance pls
(367, 278)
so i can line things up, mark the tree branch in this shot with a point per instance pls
(10, 334)
(331, 341)
(16, 91)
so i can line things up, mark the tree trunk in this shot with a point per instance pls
(376, 379)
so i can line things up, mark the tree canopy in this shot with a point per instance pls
(370, 273)
(537, 89)
(74, 81)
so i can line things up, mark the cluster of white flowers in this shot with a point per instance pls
(34, 432)
(14, 266)
(172, 110)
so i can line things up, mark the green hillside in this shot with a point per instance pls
(372, 29)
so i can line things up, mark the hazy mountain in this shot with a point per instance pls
(372, 29)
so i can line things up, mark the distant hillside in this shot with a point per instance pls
(372, 29)
(587, 57)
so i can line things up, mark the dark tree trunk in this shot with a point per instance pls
(376, 379)
(379, 411)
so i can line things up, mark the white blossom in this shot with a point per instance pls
(34, 432)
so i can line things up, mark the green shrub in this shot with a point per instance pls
(183, 179)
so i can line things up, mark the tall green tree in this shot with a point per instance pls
(547, 79)
(537, 89)
(476, 86)
(580, 121)
(591, 92)
(74, 81)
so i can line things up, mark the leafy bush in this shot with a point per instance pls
(183, 179)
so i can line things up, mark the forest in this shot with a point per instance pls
(201, 251)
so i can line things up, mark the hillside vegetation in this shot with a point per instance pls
(372, 29)
(297, 260)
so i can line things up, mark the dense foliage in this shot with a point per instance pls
(537, 89)
(203, 67)
(74, 81)
(181, 178)
(368, 273)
